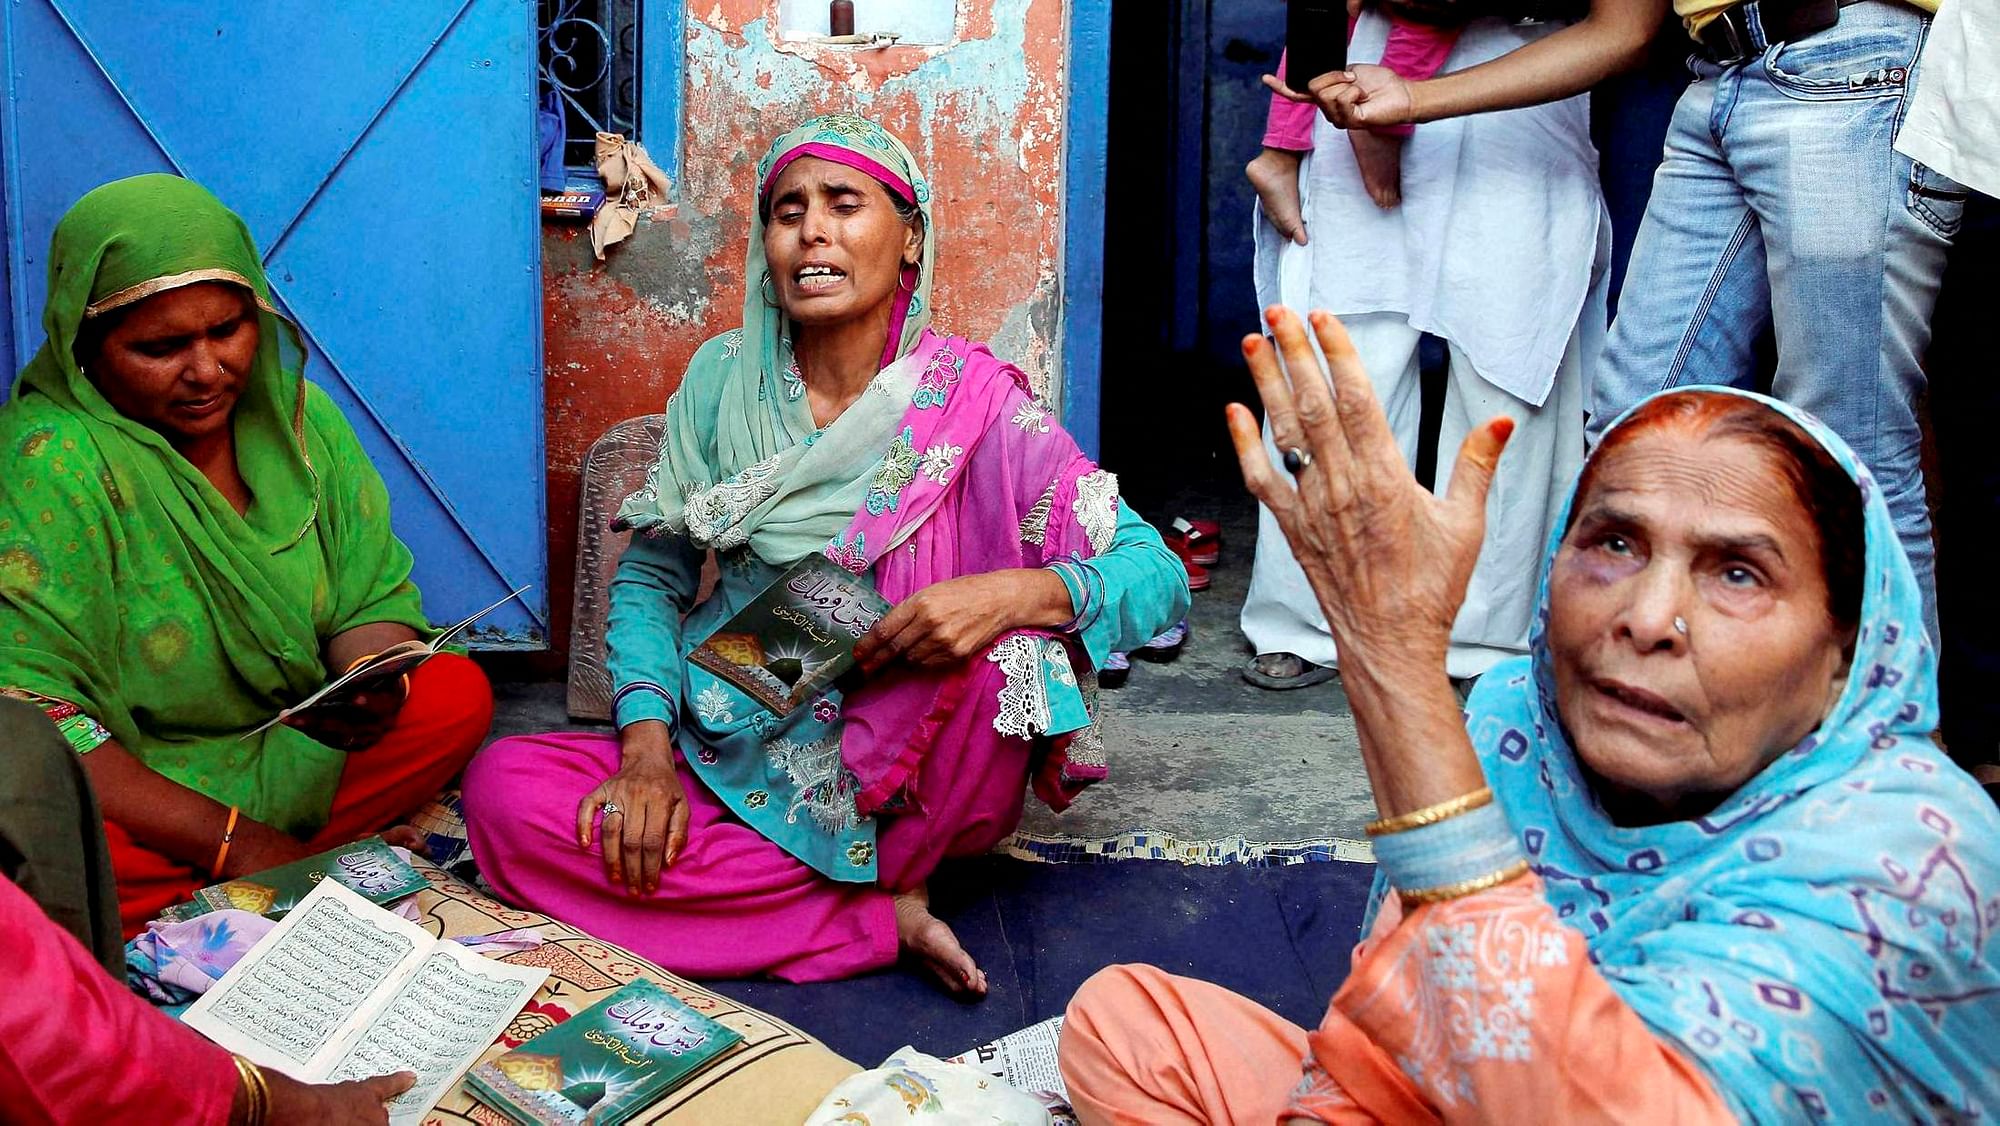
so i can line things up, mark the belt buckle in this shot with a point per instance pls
(1735, 36)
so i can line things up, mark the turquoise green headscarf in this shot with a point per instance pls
(128, 585)
(742, 461)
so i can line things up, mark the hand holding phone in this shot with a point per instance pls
(1315, 40)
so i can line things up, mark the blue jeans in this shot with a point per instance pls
(1782, 206)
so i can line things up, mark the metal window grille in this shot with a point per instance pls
(589, 56)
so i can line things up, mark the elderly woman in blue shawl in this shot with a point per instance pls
(1695, 859)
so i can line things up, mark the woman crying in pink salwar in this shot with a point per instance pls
(723, 839)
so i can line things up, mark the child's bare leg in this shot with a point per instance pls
(1380, 156)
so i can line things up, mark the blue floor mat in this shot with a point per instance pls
(1278, 935)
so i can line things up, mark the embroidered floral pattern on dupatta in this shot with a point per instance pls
(1096, 508)
(851, 556)
(940, 375)
(898, 469)
(938, 462)
(713, 517)
(1032, 417)
(1035, 525)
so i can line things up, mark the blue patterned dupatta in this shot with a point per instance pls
(1823, 943)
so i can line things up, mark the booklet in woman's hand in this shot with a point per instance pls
(795, 638)
(390, 663)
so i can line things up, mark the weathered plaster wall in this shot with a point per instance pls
(983, 114)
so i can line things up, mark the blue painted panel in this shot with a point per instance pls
(662, 70)
(386, 164)
(1085, 140)
(8, 366)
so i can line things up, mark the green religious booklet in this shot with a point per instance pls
(368, 867)
(795, 638)
(604, 1064)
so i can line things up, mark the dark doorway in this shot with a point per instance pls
(1187, 112)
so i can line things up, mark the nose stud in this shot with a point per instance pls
(1681, 626)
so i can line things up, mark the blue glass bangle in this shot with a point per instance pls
(1451, 851)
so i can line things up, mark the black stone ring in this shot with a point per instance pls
(1297, 461)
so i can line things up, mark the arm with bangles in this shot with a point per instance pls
(1389, 564)
(183, 824)
(202, 833)
(81, 1048)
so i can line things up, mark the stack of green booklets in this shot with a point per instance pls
(369, 868)
(606, 1063)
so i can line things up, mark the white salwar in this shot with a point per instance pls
(1501, 246)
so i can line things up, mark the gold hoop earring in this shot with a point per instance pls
(764, 289)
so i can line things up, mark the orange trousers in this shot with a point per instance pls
(1520, 1026)
(442, 723)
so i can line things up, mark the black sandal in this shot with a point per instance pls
(1308, 675)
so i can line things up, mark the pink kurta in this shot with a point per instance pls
(77, 1047)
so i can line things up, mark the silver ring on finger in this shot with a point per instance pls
(609, 808)
(1297, 460)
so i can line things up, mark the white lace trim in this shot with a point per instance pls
(822, 786)
(1096, 508)
(1024, 699)
(714, 516)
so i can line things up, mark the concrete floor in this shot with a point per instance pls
(1195, 750)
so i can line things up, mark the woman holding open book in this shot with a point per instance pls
(729, 830)
(191, 538)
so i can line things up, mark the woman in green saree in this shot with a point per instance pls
(191, 538)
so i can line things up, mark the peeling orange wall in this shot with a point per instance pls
(984, 116)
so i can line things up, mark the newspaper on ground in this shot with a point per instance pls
(1024, 1060)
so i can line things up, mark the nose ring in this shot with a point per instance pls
(1681, 626)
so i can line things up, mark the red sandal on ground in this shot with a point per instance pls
(1198, 578)
(1202, 539)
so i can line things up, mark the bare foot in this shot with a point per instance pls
(1380, 156)
(1275, 176)
(925, 936)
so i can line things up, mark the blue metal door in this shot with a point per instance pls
(384, 157)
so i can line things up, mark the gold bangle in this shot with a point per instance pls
(367, 657)
(256, 1091)
(1463, 887)
(222, 853)
(1430, 814)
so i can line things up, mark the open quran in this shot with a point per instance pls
(342, 989)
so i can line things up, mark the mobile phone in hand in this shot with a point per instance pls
(1315, 40)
